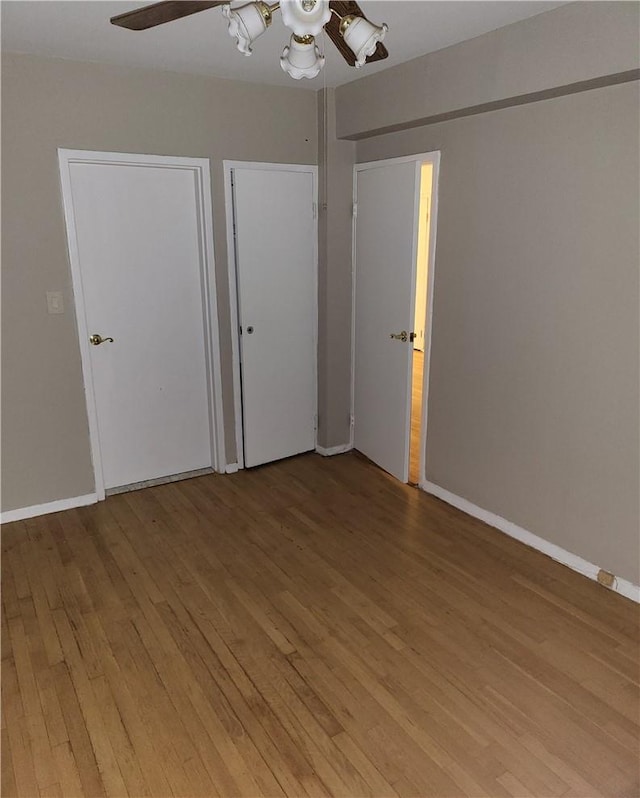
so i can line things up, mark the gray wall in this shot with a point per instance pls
(48, 104)
(533, 399)
(335, 166)
(533, 403)
(551, 53)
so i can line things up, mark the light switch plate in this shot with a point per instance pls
(55, 302)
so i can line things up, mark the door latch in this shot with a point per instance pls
(97, 339)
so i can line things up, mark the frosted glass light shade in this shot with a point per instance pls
(246, 23)
(302, 59)
(361, 36)
(305, 17)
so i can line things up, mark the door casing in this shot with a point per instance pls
(434, 159)
(202, 182)
(229, 167)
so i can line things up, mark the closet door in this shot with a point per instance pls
(275, 231)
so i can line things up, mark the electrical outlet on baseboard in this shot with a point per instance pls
(606, 579)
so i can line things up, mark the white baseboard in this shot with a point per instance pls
(231, 468)
(50, 507)
(573, 561)
(331, 450)
(627, 589)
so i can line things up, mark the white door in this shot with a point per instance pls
(385, 256)
(136, 233)
(277, 310)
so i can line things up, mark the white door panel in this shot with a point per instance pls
(138, 242)
(387, 203)
(276, 277)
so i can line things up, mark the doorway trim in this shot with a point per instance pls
(202, 180)
(434, 159)
(229, 167)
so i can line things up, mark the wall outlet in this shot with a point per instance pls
(55, 302)
(605, 578)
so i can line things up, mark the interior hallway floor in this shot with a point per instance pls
(311, 627)
(416, 416)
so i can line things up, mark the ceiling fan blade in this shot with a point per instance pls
(159, 13)
(344, 8)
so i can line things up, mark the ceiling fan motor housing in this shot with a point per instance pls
(305, 17)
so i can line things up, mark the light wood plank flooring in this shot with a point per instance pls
(312, 627)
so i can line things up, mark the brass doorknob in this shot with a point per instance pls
(96, 339)
(403, 336)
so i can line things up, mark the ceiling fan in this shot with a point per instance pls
(358, 40)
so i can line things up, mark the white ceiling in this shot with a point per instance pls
(199, 44)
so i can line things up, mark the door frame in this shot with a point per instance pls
(434, 159)
(229, 167)
(199, 167)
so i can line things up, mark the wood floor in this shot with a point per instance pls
(312, 627)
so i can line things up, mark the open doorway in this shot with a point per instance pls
(420, 322)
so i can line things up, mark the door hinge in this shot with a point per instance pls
(355, 210)
(233, 203)
(314, 208)
(352, 420)
(315, 422)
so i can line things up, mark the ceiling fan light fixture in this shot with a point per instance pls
(361, 36)
(343, 22)
(302, 58)
(247, 22)
(305, 17)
